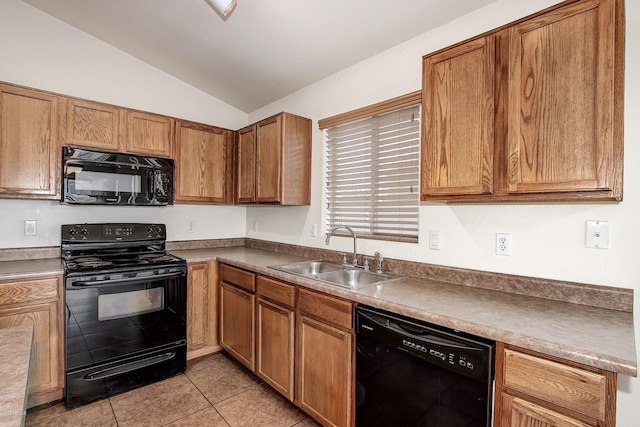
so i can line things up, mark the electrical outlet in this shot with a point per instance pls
(503, 244)
(314, 230)
(256, 225)
(191, 227)
(30, 227)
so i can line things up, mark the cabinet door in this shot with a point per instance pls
(45, 372)
(323, 372)
(246, 184)
(533, 389)
(275, 352)
(237, 323)
(148, 134)
(91, 125)
(269, 163)
(203, 165)
(458, 120)
(561, 101)
(28, 143)
(202, 312)
(521, 413)
(36, 302)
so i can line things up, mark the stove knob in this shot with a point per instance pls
(73, 231)
(84, 231)
(149, 229)
(159, 230)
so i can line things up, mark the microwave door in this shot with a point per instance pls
(91, 177)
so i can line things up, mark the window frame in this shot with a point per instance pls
(369, 112)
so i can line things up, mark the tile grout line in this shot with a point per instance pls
(113, 412)
(210, 403)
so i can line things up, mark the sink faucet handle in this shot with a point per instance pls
(367, 260)
(379, 260)
(343, 257)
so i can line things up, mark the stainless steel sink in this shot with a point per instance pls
(309, 268)
(336, 274)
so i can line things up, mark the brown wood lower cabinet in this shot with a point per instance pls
(303, 341)
(202, 309)
(324, 358)
(275, 327)
(522, 413)
(237, 309)
(37, 302)
(539, 391)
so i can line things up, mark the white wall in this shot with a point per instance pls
(39, 51)
(548, 239)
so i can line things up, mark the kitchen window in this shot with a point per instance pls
(372, 176)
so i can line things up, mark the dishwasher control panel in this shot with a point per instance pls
(453, 350)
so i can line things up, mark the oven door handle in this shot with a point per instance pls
(93, 283)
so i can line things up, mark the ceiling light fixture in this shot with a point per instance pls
(223, 7)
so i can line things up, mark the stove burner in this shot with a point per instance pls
(88, 263)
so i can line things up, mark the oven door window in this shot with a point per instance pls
(124, 304)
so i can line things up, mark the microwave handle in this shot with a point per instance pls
(151, 184)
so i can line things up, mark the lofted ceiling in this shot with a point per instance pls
(266, 49)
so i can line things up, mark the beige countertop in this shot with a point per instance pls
(27, 269)
(15, 351)
(594, 336)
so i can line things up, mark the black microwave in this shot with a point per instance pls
(102, 178)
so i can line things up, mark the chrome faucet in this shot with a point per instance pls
(379, 260)
(330, 233)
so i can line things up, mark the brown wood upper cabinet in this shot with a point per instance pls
(458, 134)
(204, 163)
(90, 125)
(246, 165)
(530, 111)
(274, 161)
(29, 144)
(146, 133)
(94, 125)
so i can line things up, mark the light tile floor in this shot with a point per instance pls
(215, 391)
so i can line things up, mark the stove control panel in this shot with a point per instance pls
(116, 231)
(113, 232)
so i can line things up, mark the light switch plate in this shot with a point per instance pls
(598, 233)
(434, 240)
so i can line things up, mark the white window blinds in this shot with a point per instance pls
(372, 175)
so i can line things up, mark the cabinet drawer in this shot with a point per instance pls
(29, 291)
(325, 307)
(566, 386)
(238, 277)
(276, 291)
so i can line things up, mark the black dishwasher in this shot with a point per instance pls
(411, 373)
